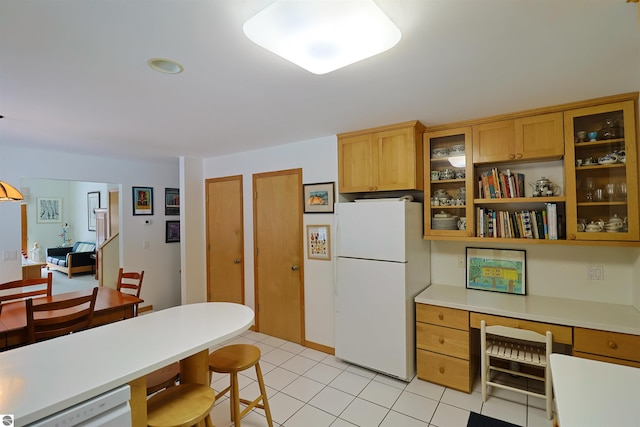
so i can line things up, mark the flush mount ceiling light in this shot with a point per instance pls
(164, 65)
(322, 36)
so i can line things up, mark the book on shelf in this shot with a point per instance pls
(538, 224)
(496, 184)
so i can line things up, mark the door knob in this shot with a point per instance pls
(236, 261)
(294, 267)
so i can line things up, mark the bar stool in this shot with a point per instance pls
(184, 405)
(231, 360)
(163, 378)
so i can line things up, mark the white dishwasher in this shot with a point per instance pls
(110, 409)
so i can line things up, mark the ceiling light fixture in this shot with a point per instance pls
(164, 65)
(9, 193)
(322, 36)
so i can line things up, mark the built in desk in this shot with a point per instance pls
(448, 319)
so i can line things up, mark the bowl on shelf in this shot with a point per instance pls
(440, 152)
(593, 136)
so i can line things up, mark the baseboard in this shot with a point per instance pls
(320, 347)
(145, 308)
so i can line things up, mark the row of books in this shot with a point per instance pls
(495, 184)
(545, 223)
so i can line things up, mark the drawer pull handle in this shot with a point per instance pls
(613, 345)
(440, 316)
(441, 340)
(441, 369)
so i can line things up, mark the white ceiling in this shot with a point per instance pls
(74, 74)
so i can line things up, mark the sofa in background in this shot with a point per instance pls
(76, 259)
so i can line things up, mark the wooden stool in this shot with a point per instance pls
(231, 360)
(163, 378)
(184, 405)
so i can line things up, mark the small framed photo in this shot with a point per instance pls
(172, 232)
(93, 203)
(172, 201)
(142, 201)
(318, 242)
(497, 270)
(318, 198)
(48, 210)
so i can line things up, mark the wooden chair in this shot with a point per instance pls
(502, 346)
(130, 283)
(28, 288)
(231, 360)
(64, 317)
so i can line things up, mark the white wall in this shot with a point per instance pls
(318, 159)
(161, 261)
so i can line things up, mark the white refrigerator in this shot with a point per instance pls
(383, 262)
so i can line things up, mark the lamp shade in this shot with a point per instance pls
(9, 193)
(322, 36)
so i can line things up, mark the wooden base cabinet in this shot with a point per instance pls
(388, 158)
(446, 348)
(612, 347)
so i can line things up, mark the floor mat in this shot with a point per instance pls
(478, 420)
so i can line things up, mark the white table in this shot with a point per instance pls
(590, 393)
(43, 378)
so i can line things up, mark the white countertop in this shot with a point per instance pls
(561, 311)
(590, 393)
(41, 379)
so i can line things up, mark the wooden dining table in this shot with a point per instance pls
(111, 306)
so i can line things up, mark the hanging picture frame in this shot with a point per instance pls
(93, 203)
(172, 232)
(172, 201)
(497, 270)
(318, 198)
(318, 242)
(142, 200)
(48, 210)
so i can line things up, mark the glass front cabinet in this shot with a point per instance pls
(449, 174)
(601, 173)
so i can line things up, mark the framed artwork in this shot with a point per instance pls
(497, 270)
(318, 198)
(172, 233)
(93, 203)
(172, 201)
(142, 201)
(48, 210)
(318, 242)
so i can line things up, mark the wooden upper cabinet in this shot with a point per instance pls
(381, 159)
(528, 138)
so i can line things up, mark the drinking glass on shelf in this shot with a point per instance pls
(621, 191)
(610, 191)
(589, 187)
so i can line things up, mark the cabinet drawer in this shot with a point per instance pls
(607, 359)
(611, 344)
(443, 316)
(444, 370)
(561, 334)
(452, 342)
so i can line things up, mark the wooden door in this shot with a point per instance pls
(494, 142)
(278, 254)
(356, 167)
(541, 136)
(225, 240)
(114, 213)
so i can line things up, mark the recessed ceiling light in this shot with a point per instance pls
(165, 65)
(322, 36)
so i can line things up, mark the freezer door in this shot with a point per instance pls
(374, 230)
(373, 324)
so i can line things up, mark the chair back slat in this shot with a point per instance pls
(28, 288)
(57, 318)
(131, 281)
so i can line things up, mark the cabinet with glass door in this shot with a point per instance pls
(448, 183)
(601, 169)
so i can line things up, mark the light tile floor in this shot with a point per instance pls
(308, 388)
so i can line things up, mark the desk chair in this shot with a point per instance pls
(501, 346)
(28, 288)
(63, 317)
(231, 360)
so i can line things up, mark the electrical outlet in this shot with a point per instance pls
(595, 272)
(460, 262)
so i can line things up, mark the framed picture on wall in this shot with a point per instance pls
(497, 270)
(172, 201)
(318, 198)
(93, 203)
(318, 243)
(142, 200)
(48, 210)
(172, 232)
